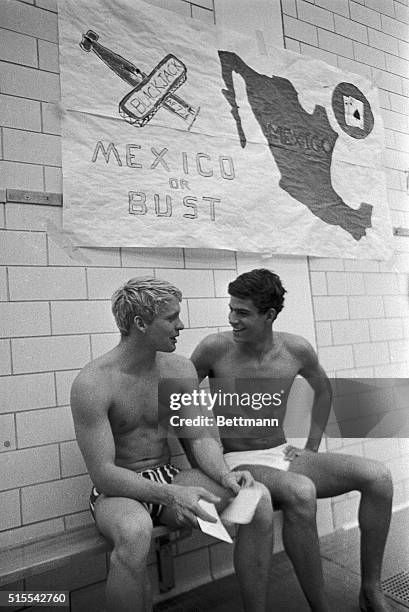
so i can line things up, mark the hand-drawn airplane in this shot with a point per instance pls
(150, 91)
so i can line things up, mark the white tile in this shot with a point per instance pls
(20, 113)
(315, 15)
(5, 357)
(102, 343)
(22, 248)
(51, 119)
(208, 312)
(222, 278)
(10, 510)
(47, 283)
(7, 433)
(210, 258)
(300, 30)
(63, 382)
(72, 462)
(102, 282)
(192, 283)
(385, 42)
(82, 317)
(27, 392)
(39, 530)
(396, 305)
(30, 147)
(349, 332)
(26, 217)
(335, 357)
(365, 15)
(3, 285)
(45, 426)
(324, 334)
(29, 20)
(369, 55)
(371, 353)
(59, 256)
(337, 6)
(351, 29)
(345, 283)
(20, 468)
(152, 258)
(14, 175)
(24, 319)
(335, 43)
(49, 354)
(386, 329)
(53, 179)
(55, 499)
(325, 264)
(48, 56)
(366, 307)
(17, 48)
(329, 307)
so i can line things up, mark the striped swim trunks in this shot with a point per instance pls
(163, 474)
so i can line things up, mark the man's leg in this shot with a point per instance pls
(334, 474)
(254, 542)
(128, 526)
(296, 497)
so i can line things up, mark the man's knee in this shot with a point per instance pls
(133, 540)
(264, 512)
(380, 478)
(301, 498)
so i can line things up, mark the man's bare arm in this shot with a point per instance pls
(315, 375)
(204, 442)
(202, 356)
(90, 405)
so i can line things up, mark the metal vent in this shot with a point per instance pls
(397, 588)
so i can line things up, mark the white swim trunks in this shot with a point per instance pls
(272, 457)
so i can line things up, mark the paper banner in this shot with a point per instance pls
(179, 134)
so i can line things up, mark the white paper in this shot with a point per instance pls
(272, 162)
(243, 506)
(217, 530)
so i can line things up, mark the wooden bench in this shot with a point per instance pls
(49, 553)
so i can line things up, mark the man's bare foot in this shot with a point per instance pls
(373, 600)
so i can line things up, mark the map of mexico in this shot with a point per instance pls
(301, 144)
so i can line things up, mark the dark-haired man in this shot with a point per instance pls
(254, 357)
(114, 402)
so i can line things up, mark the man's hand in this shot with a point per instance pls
(236, 480)
(291, 452)
(185, 503)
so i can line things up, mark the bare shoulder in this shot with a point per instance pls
(172, 365)
(297, 345)
(215, 345)
(92, 386)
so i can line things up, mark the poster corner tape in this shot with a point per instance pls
(62, 239)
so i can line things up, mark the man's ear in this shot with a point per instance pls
(140, 324)
(271, 314)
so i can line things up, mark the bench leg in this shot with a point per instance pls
(164, 558)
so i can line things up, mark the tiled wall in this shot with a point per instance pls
(54, 301)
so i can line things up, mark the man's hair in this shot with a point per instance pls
(141, 297)
(262, 287)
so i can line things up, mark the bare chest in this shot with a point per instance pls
(235, 366)
(135, 405)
